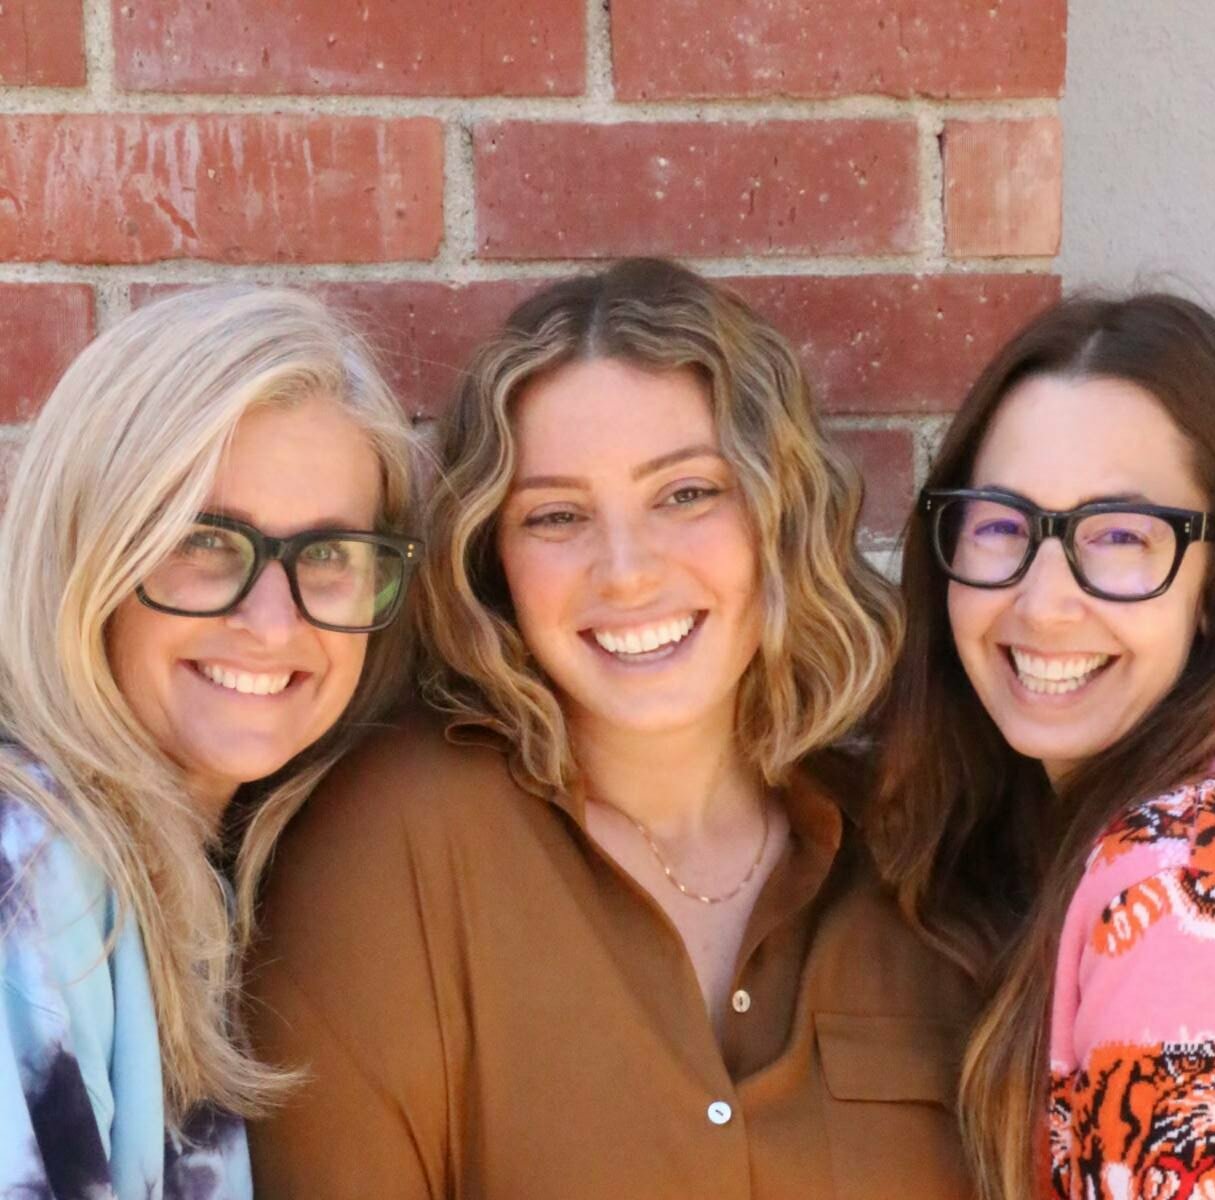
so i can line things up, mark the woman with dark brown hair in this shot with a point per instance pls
(598, 924)
(1047, 803)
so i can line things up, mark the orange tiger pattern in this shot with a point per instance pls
(1137, 1124)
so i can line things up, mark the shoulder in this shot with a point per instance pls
(1145, 904)
(409, 780)
(43, 873)
(1157, 854)
(406, 809)
(57, 914)
(1176, 825)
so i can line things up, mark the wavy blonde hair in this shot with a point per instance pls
(831, 621)
(114, 469)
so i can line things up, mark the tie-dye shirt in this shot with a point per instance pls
(81, 1107)
(1133, 1026)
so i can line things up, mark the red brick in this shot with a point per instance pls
(694, 48)
(227, 188)
(886, 458)
(897, 343)
(423, 331)
(394, 47)
(1003, 187)
(43, 326)
(784, 187)
(41, 43)
(871, 343)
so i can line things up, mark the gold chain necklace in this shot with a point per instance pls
(687, 891)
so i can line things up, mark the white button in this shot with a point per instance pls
(741, 1001)
(720, 1112)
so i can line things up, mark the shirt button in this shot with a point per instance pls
(741, 1001)
(720, 1112)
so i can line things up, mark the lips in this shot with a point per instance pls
(1055, 676)
(245, 682)
(644, 639)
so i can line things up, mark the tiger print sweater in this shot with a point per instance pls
(1132, 1108)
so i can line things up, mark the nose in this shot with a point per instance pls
(268, 612)
(628, 560)
(1049, 593)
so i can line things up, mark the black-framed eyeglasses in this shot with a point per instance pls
(1117, 550)
(347, 580)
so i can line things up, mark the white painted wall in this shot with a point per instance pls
(1139, 145)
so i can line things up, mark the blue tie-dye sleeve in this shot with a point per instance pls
(81, 1093)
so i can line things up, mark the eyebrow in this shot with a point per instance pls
(649, 467)
(239, 514)
(1103, 498)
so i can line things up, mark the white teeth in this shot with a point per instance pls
(243, 682)
(645, 638)
(1056, 676)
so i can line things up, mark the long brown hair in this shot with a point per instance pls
(984, 855)
(831, 623)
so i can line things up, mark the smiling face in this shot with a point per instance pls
(1062, 673)
(627, 549)
(231, 699)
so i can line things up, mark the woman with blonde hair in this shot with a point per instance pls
(620, 939)
(202, 560)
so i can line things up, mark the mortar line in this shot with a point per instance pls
(98, 55)
(597, 108)
(462, 271)
(459, 199)
(600, 82)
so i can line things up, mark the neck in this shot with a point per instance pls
(210, 799)
(676, 783)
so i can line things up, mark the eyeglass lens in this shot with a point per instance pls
(1122, 554)
(340, 581)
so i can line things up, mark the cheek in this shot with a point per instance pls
(345, 653)
(963, 618)
(137, 642)
(539, 577)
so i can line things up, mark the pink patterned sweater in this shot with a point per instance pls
(1132, 1044)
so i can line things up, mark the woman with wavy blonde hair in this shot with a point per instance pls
(620, 939)
(202, 560)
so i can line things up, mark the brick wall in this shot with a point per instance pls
(881, 177)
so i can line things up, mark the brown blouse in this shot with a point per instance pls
(488, 1007)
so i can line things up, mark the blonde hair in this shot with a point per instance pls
(115, 467)
(831, 621)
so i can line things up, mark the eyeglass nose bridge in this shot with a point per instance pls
(1049, 525)
(266, 550)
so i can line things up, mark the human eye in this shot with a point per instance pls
(1123, 531)
(691, 493)
(552, 519)
(994, 522)
(205, 542)
(999, 527)
(325, 553)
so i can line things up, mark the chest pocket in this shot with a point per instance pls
(889, 1086)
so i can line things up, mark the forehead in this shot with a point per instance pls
(602, 411)
(288, 466)
(1061, 442)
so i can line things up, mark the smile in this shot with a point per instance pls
(243, 681)
(645, 639)
(1055, 676)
